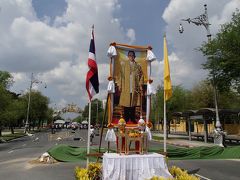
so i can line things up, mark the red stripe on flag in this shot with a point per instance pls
(92, 65)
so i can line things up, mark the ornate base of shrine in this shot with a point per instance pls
(129, 138)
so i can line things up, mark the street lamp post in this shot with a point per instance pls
(29, 100)
(202, 20)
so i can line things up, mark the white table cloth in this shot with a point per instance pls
(134, 167)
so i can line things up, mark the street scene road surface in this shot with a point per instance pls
(17, 159)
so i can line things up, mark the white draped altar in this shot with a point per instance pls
(134, 167)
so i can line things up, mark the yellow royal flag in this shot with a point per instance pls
(167, 79)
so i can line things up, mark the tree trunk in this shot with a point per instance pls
(12, 129)
(39, 124)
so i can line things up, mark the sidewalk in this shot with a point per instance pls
(183, 141)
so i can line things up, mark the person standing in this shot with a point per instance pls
(91, 134)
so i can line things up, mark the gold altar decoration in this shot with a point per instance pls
(121, 125)
(134, 133)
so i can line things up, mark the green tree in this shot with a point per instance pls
(180, 101)
(202, 97)
(96, 112)
(78, 119)
(49, 116)
(14, 113)
(6, 79)
(38, 108)
(223, 54)
(5, 99)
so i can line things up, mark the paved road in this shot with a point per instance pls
(16, 155)
(212, 169)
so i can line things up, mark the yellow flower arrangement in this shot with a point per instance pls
(94, 171)
(178, 174)
(181, 174)
(81, 173)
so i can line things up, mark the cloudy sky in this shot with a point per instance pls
(50, 38)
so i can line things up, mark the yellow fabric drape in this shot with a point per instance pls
(109, 106)
(167, 79)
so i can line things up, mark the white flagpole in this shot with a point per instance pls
(148, 96)
(89, 124)
(165, 126)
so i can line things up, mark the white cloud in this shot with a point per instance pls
(131, 35)
(181, 72)
(57, 54)
(18, 77)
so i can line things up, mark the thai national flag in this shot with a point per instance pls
(92, 83)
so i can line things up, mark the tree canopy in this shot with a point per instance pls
(96, 112)
(223, 54)
(13, 107)
(180, 101)
(6, 79)
(38, 108)
(200, 96)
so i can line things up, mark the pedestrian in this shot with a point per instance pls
(91, 134)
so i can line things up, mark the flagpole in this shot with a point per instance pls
(92, 84)
(167, 89)
(89, 124)
(164, 111)
(164, 126)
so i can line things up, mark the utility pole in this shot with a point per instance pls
(29, 101)
(202, 20)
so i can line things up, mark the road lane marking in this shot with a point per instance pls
(202, 176)
(10, 151)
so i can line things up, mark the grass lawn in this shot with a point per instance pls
(8, 137)
(157, 138)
